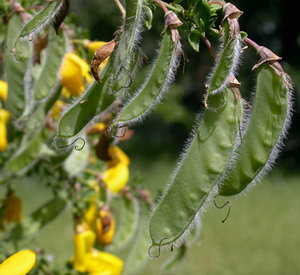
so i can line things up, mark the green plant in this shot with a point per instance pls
(67, 135)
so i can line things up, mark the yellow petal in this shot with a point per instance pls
(72, 72)
(4, 116)
(118, 156)
(116, 177)
(83, 244)
(105, 232)
(3, 137)
(94, 46)
(18, 264)
(103, 263)
(90, 215)
(3, 90)
(57, 109)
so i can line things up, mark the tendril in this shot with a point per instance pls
(159, 249)
(130, 79)
(222, 206)
(77, 148)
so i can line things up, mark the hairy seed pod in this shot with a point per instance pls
(266, 128)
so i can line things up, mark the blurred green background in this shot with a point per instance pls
(262, 234)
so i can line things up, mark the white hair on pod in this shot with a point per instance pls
(210, 196)
(172, 69)
(280, 141)
(233, 70)
(79, 99)
(46, 24)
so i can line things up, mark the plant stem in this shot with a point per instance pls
(252, 43)
(216, 2)
(162, 5)
(121, 8)
(209, 46)
(171, 7)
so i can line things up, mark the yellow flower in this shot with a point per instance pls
(3, 90)
(73, 72)
(115, 178)
(90, 215)
(105, 226)
(83, 242)
(88, 259)
(57, 109)
(12, 208)
(102, 263)
(94, 46)
(118, 156)
(18, 264)
(97, 128)
(4, 117)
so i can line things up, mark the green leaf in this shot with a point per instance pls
(202, 13)
(194, 39)
(48, 77)
(147, 18)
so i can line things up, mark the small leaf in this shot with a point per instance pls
(243, 35)
(148, 16)
(194, 39)
(202, 12)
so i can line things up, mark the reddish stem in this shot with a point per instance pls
(209, 46)
(216, 2)
(161, 4)
(252, 43)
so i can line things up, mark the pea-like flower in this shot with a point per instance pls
(118, 156)
(73, 72)
(3, 90)
(87, 259)
(105, 226)
(115, 178)
(4, 118)
(18, 264)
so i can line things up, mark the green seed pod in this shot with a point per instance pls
(16, 70)
(265, 132)
(97, 98)
(229, 56)
(48, 76)
(195, 181)
(151, 92)
(49, 15)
